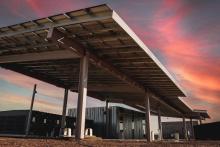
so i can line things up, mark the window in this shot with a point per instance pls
(33, 119)
(58, 122)
(45, 120)
(143, 127)
(121, 127)
(132, 125)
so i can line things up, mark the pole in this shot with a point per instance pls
(160, 124)
(107, 118)
(30, 111)
(191, 122)
(200, 120)
(63, 120)
(184, 128)
(147, 117)
(82, 94)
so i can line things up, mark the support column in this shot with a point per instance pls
(63, 120)
(160, 125)
(184, 129)
(191, 123)
(147, 117)
(107, 119)
(200, 120)
(82, 94)
(30, 111)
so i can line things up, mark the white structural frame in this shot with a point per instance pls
(82, 96)
(63, 119)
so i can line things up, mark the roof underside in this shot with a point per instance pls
(200, 114)
(25, 49)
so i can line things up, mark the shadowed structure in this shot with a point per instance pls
(93, 50)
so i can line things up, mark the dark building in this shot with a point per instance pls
(170, 128)
(42, 124)
(122, 122)
(209, 131)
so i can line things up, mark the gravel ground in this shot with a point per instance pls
(23, 142)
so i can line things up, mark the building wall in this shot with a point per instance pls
(42, 124)
(210, 131)
(170, 128)
(97, 115)
(139, 127)
(113, 131)
(12, 124)
(123, 123)
(46, 124)
(133, 124)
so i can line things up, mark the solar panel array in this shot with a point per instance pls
(96, 30)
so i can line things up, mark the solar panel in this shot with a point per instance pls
(25, 48)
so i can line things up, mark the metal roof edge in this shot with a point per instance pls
(120, 21)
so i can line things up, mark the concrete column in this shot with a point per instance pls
(191, 123)
(82, 94)
(147, 117)
(107, 119)
(30, 111)
(200, 120)
(63, 120)
(160, 124)
(184, 129)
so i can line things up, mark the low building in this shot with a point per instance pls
(42, 124)
(208, 131)
(171, 128)
(121, 123)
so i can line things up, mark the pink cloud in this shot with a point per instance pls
(28, 82)
(22, 102)
(185, 54)
(196, 69)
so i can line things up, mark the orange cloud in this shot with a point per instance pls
(197, 71)
(28, 82)
(186, 54)
(21, 102)
(44, 8)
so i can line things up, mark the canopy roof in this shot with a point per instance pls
(121, 67)
(200, 114)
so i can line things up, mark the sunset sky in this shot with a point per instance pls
(183, 34)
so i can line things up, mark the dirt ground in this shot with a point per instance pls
(24, 142)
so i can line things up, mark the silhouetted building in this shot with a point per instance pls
(42, 124)
(208, 131)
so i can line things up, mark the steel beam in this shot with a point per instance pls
(191, 124)
(104, 16)
(30, 111)
(82, 94)
(48, 55)
(147, 117)
(200, 120)
(57, 36)
(107, 118)
(160, 124)
(63, 120)
(129, 31)
(184, 129)
(165, 104)
(110, 88)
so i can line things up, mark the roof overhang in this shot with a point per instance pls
(121, 67)
(200, 114)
